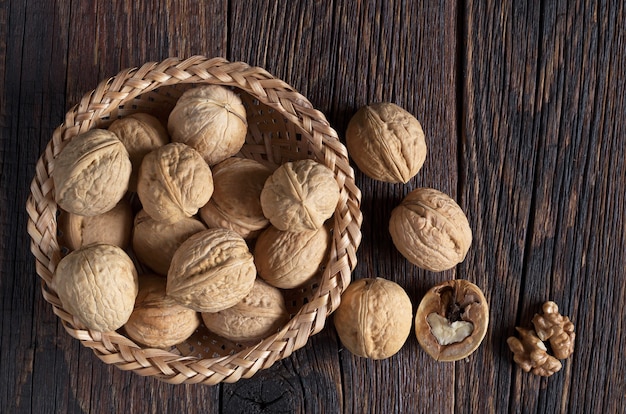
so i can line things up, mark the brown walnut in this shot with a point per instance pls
(91, 173)
(531, 354)
(211, 271)
(386, 142)
(236, 200)
(174, 182)
(430, 230)
(140, 133)
(300, 195)
(555, 328)
(211, 119)
(157, 320)
(451, 320)
(261, 313)
(374, 318)
(98, 285)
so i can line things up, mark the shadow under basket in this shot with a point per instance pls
(282, 126)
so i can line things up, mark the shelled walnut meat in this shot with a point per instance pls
(91, 173)
(430, 230)
(386, 142)
(174, 182)
(451, 320)
(374, 318)
(140, 133)
(236, 200)
(155, 242)
(259, 314)
(300, 195)
(212, 120)
(211, 271)
(97, 284)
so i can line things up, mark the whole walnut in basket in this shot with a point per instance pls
(91, 173)
(155, 242)
(236, 200)
(174, 182)
(140, 133)
(157, 320)
(300, 195)
(97, 284)
(211, 271)
(211, 119)
(258, 315)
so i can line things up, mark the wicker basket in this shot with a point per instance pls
(283, 126)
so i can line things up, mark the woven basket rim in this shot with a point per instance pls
(114, 348)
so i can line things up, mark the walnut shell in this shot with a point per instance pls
(157, 320)
(290, 259)
(386, 142)
(155, 242)
(140, 133)
(451, 320)
(374, 318)
(98, 285)
(211, 119)
(91, 173)
(174, 182)
(300, 195)
(236, 200)
(261, 313)
(211, 271)
(113, 227)
(430, 230)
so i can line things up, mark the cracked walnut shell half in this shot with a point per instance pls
(451, 320)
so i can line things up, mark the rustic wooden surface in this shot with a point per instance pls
(524, 107)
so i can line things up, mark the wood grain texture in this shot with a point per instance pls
(524, 109)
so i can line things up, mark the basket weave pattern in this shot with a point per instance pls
(283, 126)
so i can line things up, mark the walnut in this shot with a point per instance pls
(157, 320)
(386, 142)
(558, 329)
(211, 271)
(531, 354)
(374, 318)
(113, 227)
(91, 173)
(98, 285)
(261, 313)
(155, 242)
(211, 119)
(451, 320)
(430, 230)
(236, 200)
(140, 133)
(300, 195)
(174, 182)
(290, 259)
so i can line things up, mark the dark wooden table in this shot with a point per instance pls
(524, 109)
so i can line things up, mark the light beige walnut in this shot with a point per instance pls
(155, 242)
(157, 320)
(140, 133)
(300, 195)
(290, 259)
(98, 285)
(211, 119)
(211, 271)
(374, 318)
(113, 227)
(174, 182)
(236, 200)
(261, 313)
(430, 230)
(386, 142)
(91, 173)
